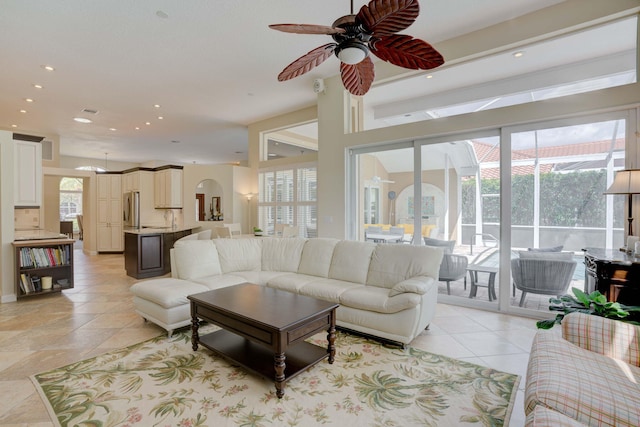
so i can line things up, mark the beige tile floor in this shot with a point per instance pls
(41, 333)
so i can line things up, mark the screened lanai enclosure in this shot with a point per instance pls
(556, 182)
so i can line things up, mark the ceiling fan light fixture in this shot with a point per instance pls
(352, 52)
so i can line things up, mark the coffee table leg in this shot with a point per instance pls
(195, 338)
(331, 348)
(279, 365)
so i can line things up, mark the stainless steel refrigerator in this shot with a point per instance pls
(131, 209)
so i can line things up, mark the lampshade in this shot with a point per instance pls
(626, 182)
(352, 52)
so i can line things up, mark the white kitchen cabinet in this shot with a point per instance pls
(168, 188)
(131, 181)
(27, 173)
(109, 209)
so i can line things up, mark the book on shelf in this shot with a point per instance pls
(45, 257)
(25, 283)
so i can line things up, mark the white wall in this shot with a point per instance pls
(7, 285)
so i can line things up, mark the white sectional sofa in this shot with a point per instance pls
(388, 291)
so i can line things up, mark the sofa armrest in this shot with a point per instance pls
(416, 285)
(612, 338)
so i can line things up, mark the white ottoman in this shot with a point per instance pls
(164, 301)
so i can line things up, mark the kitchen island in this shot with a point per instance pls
(146, 250)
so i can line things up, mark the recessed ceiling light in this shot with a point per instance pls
(147, 123)
(160, 117)
(48, 68)
(113, 129)
(518, 54)
(23, 111)
(28, 99)
(161, 14)
(37, 86)
(14, 126)
(272, 154)
(156, 105)
(82, 120)
(175, 141)
(137, 128)
(429, 76)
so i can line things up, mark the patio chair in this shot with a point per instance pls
(372, 229)
(447, 245)
(547, 275)
(453, 267)
(399, 231)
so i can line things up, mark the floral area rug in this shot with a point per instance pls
(163, 382)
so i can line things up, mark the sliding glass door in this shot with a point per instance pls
(495, 197)
(558, 176)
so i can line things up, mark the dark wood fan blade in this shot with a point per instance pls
(357, 78)
(407, 52)
(306, 29)
(307, 62)
(386, 17)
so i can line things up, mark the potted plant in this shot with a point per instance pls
(257, 231)
(594, 303)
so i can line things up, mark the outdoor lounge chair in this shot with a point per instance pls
(453, 267)
(549, 275)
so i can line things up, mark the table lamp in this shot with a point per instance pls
(627, 181)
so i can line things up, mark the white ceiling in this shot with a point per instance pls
(211, 65)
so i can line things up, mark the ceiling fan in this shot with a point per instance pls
(371, 30)
(377, 180)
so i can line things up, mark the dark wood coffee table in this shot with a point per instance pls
(264, 329)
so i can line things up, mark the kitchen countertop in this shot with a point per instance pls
(158, 230)
(37, 234)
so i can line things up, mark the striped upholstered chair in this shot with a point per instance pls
(586, 376)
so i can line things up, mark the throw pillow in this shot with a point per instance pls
(547, 249)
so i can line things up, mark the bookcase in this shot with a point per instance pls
(38, 259)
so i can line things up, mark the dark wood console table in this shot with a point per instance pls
(614, 273)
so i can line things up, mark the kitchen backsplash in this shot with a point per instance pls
(26, 219)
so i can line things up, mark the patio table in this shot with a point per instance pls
(384, 238)
(473, 270)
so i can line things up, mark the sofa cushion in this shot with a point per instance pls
(195, 258)
(376, 299)
(327, 289)
(391, 264)
(167, 292)
(291, 282)
(282, 254)
(259, 277)
(219, 281)
(350, 261)
(558, 256)
(316, 257)
(239, 254)
(586, 386)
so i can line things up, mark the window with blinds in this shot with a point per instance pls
(288, 196)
